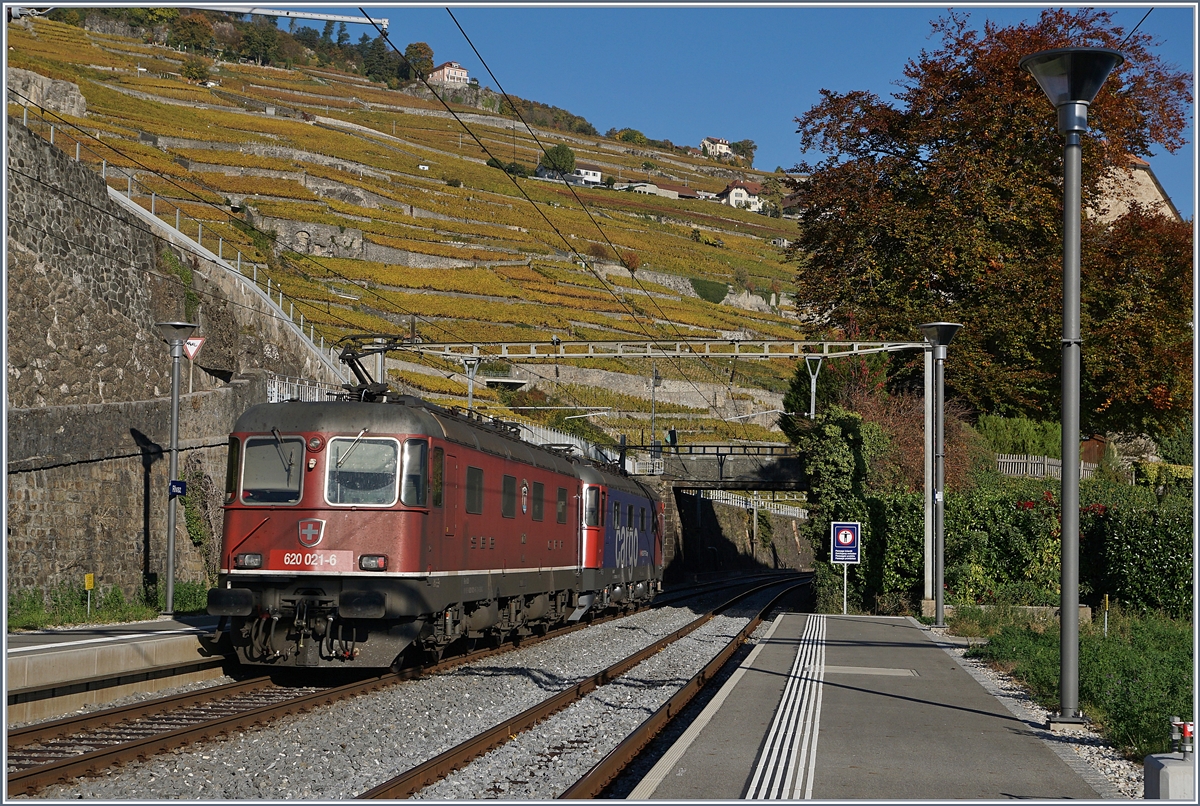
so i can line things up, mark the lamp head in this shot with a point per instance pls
(1071, 78)
(175, 331)
(939, 333)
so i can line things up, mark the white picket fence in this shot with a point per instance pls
(747, 502)
(1038, 467)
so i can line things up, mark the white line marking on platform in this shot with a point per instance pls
(162, 633)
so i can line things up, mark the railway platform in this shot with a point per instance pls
(862, 708)
(54, 672)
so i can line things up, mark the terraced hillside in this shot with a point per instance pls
(374, 210)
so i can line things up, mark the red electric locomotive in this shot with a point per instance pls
(357, 530)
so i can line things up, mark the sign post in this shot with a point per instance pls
(89, 582)
(846, 550)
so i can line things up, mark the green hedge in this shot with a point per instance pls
(1003, 540)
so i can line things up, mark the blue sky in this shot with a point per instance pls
(739, 72)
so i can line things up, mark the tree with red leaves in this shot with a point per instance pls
(947, 205)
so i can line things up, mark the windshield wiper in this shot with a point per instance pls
(285, 458)
(349, 450)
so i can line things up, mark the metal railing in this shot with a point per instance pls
(282, 388)
(749, 502)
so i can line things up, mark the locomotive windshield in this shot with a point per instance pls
(362, 471)
(272, 470)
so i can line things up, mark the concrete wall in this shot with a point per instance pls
(89, 377)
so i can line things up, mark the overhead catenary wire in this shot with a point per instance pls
(583, 206)
(571, 249)
(312, 305)
(289, 263)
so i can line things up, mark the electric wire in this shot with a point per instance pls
(1139, 25)
(570, 188)
(383, 35)
(391, 303)
(398, 308)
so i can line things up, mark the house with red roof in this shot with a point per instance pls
(450, 73)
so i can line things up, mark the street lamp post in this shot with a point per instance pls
(939, 334)
(175, 333)
(1071, 77)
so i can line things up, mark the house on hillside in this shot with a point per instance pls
(451, 74)
(745, 195)
(587, 174)
(715, 147)
(584, 174)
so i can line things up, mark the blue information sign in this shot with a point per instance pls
(847, 542)
(178, 487)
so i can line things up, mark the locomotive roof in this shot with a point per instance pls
(408, 416)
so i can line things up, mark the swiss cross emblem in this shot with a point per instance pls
(311, 531)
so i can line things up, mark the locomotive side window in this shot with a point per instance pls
(231, 469)
(603, 505)
(362, 471)
(475, 490)
(617, 514)
(562, 504)
(416, 452)
(538, 505)
(629, 516)
(271, 470)
(641, 519)
(436, 476)
(508, 497)
(591, 507)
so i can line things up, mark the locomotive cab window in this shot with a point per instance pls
(538, 505)
(412, 493)
(231, 469)
(591, 507)
(617, 514)
(362, 471)
(272, 470)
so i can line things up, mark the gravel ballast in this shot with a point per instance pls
(342, 750)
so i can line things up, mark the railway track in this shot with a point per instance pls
(51, 752)
(598, 777)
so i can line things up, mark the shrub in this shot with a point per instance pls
(1021, 435)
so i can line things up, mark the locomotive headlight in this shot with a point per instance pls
(248, 561)
(373, 562)
(315, 443)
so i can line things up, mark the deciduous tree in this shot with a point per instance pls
(559, 158)
(419, 59)
(947, 205)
